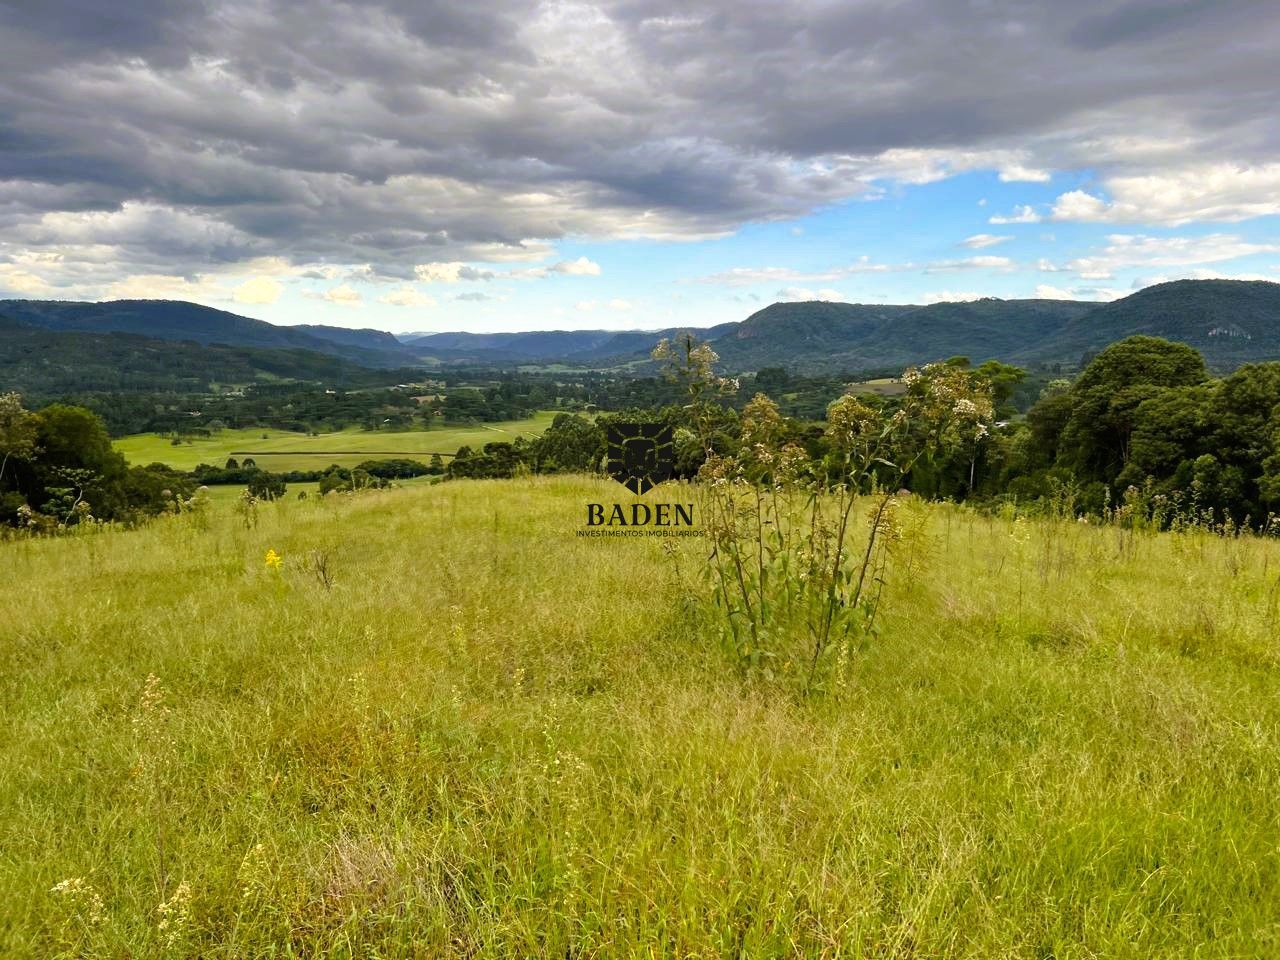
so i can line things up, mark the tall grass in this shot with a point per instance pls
(486, 737)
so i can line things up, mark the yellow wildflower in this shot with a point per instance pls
(274, 560)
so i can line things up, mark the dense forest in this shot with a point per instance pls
(1145, 429)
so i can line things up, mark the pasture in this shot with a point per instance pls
(484, 736)
(282, 450)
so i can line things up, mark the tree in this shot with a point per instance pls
(1105, 399)
(267, 486)
(17, 431)
(1004, 379)
(572, 443)
(1168, 428)
(75, 439)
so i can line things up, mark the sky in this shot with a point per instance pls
(411, 165)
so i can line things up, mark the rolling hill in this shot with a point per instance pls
(1230, 321)
(179, 320)
(39, 362)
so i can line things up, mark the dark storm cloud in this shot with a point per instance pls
(399, 132)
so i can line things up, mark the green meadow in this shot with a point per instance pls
(282, 450)
(445, 726)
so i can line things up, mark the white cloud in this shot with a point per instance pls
(1046, 291)
(1213, 192)
(407, 296)
(952, 296)
(798, 294)
(582, 267)
(22, 281)
(452, 272)
(984, 262)
(1078, 205)
(258, 290)
(1020, 174)
(457, 272)
(980, 241)
(746, 276)
(1022, 214)
(1198, 273)
(344, 295)
(1124, 251)
(158, 286)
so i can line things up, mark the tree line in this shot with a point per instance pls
(1143, 427)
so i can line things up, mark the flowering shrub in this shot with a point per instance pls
(797, 571)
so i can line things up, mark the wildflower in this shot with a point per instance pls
(254, 874)
(175, 915)
(274, 560)
(82, 899)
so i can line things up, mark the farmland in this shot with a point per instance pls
(486, 737)
(281, 450)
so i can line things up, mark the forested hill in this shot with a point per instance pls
(47, 363)
(1229, 321)
(179, 320)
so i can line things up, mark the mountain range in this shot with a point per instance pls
(1230, 321)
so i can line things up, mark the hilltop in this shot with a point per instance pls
(486, 737)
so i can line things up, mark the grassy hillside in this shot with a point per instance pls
(286, 450)
(491, 738)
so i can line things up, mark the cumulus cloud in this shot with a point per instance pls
(171, 140)
(800, 294)
(980, 241)
(344, 295)
(951, 296)
(457, 272)
(407, 296)
(160, 286)
(746, 276)
(258, 290)
(24, 283)
(454, 272)
(582, 267)
(1046, 291)
(1020, 174)
(1218, 192)
(1126, 251)
(1022, 214)
(983, 262)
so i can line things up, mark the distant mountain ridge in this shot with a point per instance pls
(36, 361)
(1230, 321)
(180, 320)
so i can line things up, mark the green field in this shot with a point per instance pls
(883, 386)
(491, 738)
(285, 450)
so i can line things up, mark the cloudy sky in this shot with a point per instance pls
(493, 165)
